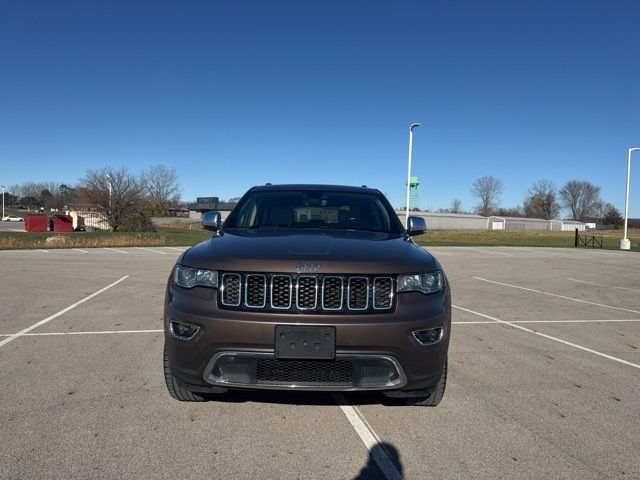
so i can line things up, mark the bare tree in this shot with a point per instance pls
(162, 188)
(508, 212)
(611, 215)
(34, 189)
(456, 206)
(581, 198)
(47, 194)
(488, 191)
(598, 212)
(541, 201)
(115, 193)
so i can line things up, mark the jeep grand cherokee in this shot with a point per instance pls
(308, 287)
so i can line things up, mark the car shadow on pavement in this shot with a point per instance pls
(304, 398)
(372, 471)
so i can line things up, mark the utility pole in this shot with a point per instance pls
(406, 209)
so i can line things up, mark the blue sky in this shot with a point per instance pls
(235, 94)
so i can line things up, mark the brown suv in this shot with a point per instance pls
(308, 287)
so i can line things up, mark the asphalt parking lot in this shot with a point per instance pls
(544, 379)
(12, 227)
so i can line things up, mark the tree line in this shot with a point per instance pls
(126, 200)
(579, 198)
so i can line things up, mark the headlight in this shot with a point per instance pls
(420, 282)
(186, 277)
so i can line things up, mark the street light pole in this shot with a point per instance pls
(3, 202)
(625, 244)
(406, 209)
(110, 191)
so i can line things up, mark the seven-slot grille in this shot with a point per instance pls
(317, 293)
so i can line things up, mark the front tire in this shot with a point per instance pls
(175, 390)
(433, 399)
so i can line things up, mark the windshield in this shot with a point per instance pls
(314, 209)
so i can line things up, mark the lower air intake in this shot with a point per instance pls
(345, 372)
(327, 372)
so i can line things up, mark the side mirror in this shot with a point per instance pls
(211, 221)
(416, 226)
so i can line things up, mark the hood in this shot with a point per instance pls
(347, 252)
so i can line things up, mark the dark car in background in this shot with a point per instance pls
(308, 287)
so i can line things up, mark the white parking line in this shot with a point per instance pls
(368, 437)
(546, 253)
(555, 339)
(115, 250)
(558, 296)
(603, 285)
(16, 230)
(79, 250)
(488, 251)
(44, 251)
(61, 312)
(556, 321)
(96, 332)
(151, 250)
(437, 252)
(178, 249)
(602, 253)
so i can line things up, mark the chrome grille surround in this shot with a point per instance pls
(255, 287)
(306, 293)
(383, 288)
(230, 289)
(306, 285)
(354, 292)
(276, 286)
(332, 279)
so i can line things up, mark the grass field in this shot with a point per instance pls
(611, 238)
(175, 236)
(161, 238)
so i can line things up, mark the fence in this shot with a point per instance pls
(587, 240)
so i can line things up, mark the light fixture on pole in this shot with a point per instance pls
(625, 243)
(406, 208)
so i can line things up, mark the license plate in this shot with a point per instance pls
(305, 342)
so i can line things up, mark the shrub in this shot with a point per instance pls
(137, 223)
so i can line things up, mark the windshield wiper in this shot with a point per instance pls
(367, 230)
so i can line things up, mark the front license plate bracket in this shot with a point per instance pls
(294, 341)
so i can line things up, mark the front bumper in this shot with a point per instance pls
(380, 344)
(261, 370)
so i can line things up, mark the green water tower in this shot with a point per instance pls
(413, 193)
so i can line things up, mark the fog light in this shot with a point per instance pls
(183, 331)
(428, 336)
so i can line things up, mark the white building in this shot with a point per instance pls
(464, 221)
